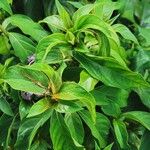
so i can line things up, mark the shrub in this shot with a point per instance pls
(74, 76)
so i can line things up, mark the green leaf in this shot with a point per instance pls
(125, 32)
(60, 135)
(5, 6)
(73, 91)
(95, 23)
(47, 43)
(144, 13)
(8, 62)
(96, 146)
(112, 109)
(9, 132)
(10, 1)
(40, 145)
(4, 49)
(97, 69)
(53, 57)
(145, 33)
(127, 9)
(4, 67)
(28, 129)
(2, 70)
(54, 21)
(102, 125)
(145, 141)
(84, 10)
(26, 80)
(70, 37)
(39, 107)
(68, 107)
(121, 134)
(91, 21)
(61, 69)
(139, 116)
(45, 116)
(27, 26)
(86, 81)
(106, 94)
(109, 147)
(24, 108)
(75, 126)
(53, 76)
(5, 107)
(104, 9)
(75, 4)
(100, 97)
(134, 140)
(22, 85)
(144, 94)
(5, 123)
(120, 56)
(100, 129)
(142, 60)
(63, 14)
(22, 45)
(103, 45)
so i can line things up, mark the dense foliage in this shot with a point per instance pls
(74, 75)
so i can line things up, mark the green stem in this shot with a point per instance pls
(9, 132)
(3, 30)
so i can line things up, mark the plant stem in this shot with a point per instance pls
(3, 30)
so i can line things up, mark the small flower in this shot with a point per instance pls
(27, 96)
(31, 59)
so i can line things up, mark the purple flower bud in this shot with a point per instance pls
(31, 59)
(26, 96)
